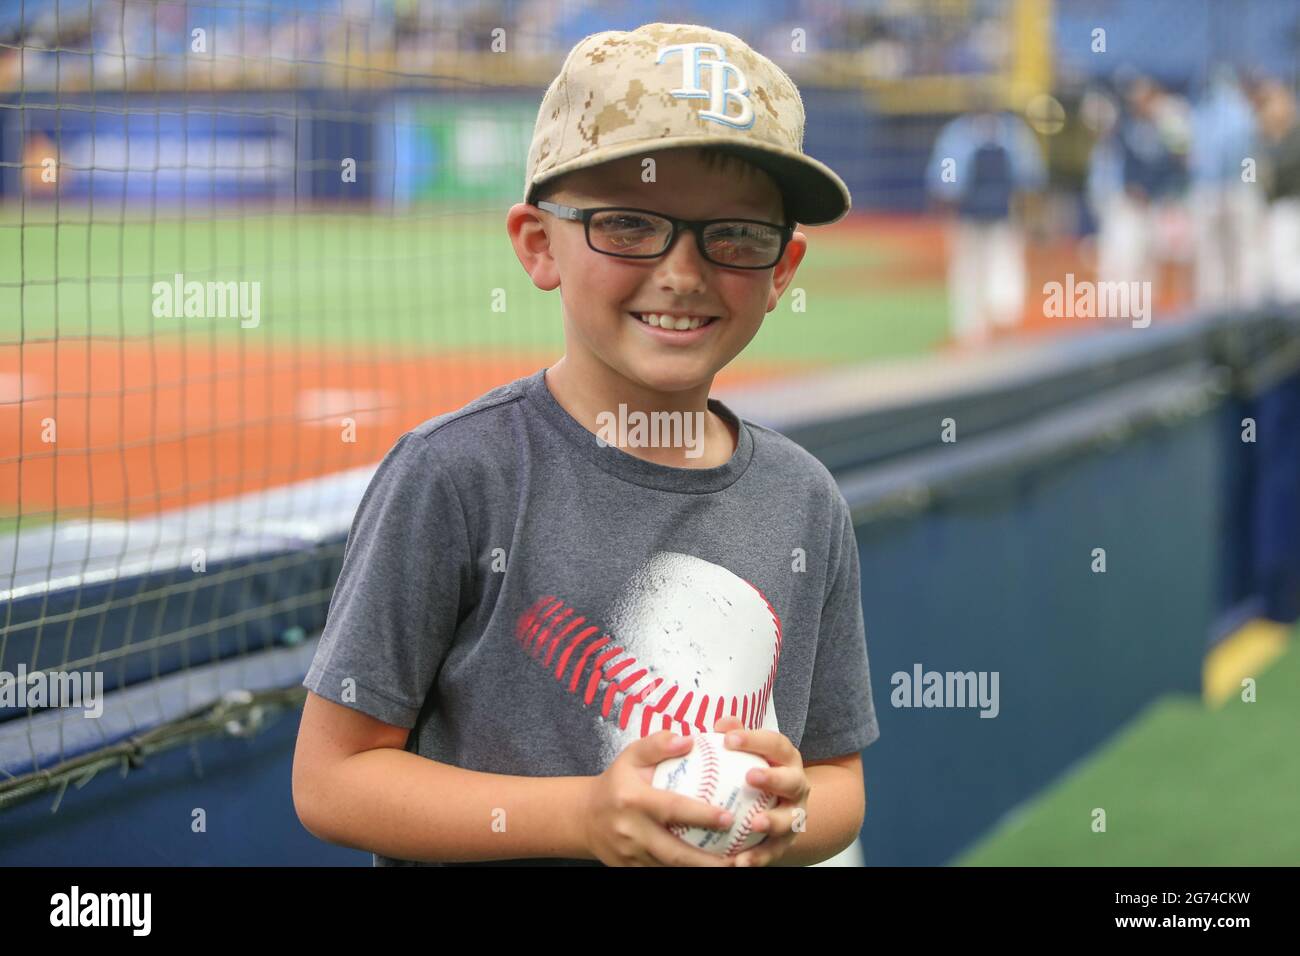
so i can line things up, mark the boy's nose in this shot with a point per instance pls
(683, 266)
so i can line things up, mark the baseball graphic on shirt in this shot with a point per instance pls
(685, 643)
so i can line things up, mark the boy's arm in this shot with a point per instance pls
(355, 785)
(836, 809)
(841, 713)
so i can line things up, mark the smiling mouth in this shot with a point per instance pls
(656, 320)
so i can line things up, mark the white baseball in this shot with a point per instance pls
(716, 775)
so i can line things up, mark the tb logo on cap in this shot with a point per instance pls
(718, 93)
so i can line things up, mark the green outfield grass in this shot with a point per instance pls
(415, 281)
(9, 520)
(1183, 786)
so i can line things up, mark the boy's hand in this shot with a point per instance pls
(626, 819)
(786, 779)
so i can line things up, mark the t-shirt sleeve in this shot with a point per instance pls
(841, 712)
(396, 605)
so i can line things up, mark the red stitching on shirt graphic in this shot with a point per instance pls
(689, 642)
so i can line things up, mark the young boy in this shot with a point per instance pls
(537, 603)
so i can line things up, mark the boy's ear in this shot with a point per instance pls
(783, 272)
(528, 234)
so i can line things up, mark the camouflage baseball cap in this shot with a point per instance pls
(673, 85)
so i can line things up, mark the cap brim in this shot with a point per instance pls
(814, 194)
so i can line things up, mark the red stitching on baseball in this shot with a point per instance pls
(709, 776)
(706, 785)
(746, 824)
(706, 789)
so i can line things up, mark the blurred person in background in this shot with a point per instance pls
(1228, 211)
(1137, 180)
(1279, 126)
(1099, 113)
(981, 166)
(1072, 138)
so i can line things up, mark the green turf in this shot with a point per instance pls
(9, 521)
(1185, 785)
(420, 281)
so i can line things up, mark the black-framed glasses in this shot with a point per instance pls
(643, 234)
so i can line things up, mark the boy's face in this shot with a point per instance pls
(599, 292)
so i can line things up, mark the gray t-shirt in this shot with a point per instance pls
(529, 600)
